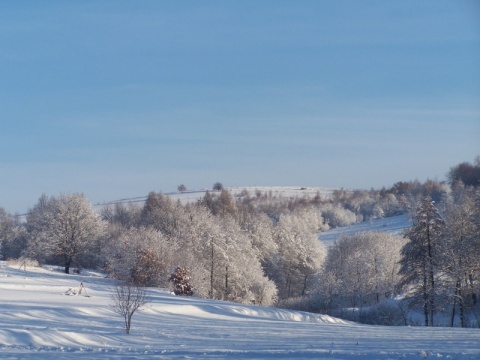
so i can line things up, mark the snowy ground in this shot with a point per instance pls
(394, 224)
(280, 191)
(38, 321)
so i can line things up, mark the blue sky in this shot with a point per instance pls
(118, 98)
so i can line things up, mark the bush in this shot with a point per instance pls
(310, 303)
(181, 282)
(337, 216)
(23, 262)
(387, 313)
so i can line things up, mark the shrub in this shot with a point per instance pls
(387, 313)
(181, 282)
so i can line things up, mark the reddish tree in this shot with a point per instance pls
(181, 282)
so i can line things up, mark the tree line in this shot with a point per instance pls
(262, 248)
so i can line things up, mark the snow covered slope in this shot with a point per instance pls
(278, 191)
(394, 224)
(39, 321)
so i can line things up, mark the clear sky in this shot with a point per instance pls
(116, 98)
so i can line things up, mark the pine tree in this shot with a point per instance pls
(181, 282)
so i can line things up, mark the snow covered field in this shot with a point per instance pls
(192, 196)
(39, 321)
(394, 224)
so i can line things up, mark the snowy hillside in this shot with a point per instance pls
(394, 224)
(39, 321)
(278, 191)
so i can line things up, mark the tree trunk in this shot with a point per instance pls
(472, 289)
(226, 282)
(461, 307)
(68, 262)
(129, 323)
(431, 298)
(425, 299)
(211, 269)
(452, 318)
(305, 279)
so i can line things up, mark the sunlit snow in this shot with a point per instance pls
(39, 321)
(395, 224)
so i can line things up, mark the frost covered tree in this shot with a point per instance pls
(222, 261)
(338, 216)
(245, 281)
(300, 253)
(221, 204)
(462, 250)
(260, 230)
(6, 228)
(13, 236)
(421, 255)
(64, 227)
(141, 256)
(127, 215)
(361, 269)
(161, 213)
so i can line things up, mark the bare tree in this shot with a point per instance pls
(465, 172)
(128, 298)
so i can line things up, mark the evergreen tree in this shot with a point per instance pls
(181, 282)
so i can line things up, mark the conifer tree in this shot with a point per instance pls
(181, 282)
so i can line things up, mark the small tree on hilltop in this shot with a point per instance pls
(218, 186)
(181, 282)
(182, 188)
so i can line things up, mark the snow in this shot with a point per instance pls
(395, 224)
(192, 196)
(38, 321)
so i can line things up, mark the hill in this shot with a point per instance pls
(395, 224)
(278, 191)
(40, 321)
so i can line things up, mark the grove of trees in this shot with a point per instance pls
(264, 249)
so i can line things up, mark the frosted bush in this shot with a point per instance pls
(386, 313)
(337, 216)
(23, 262)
